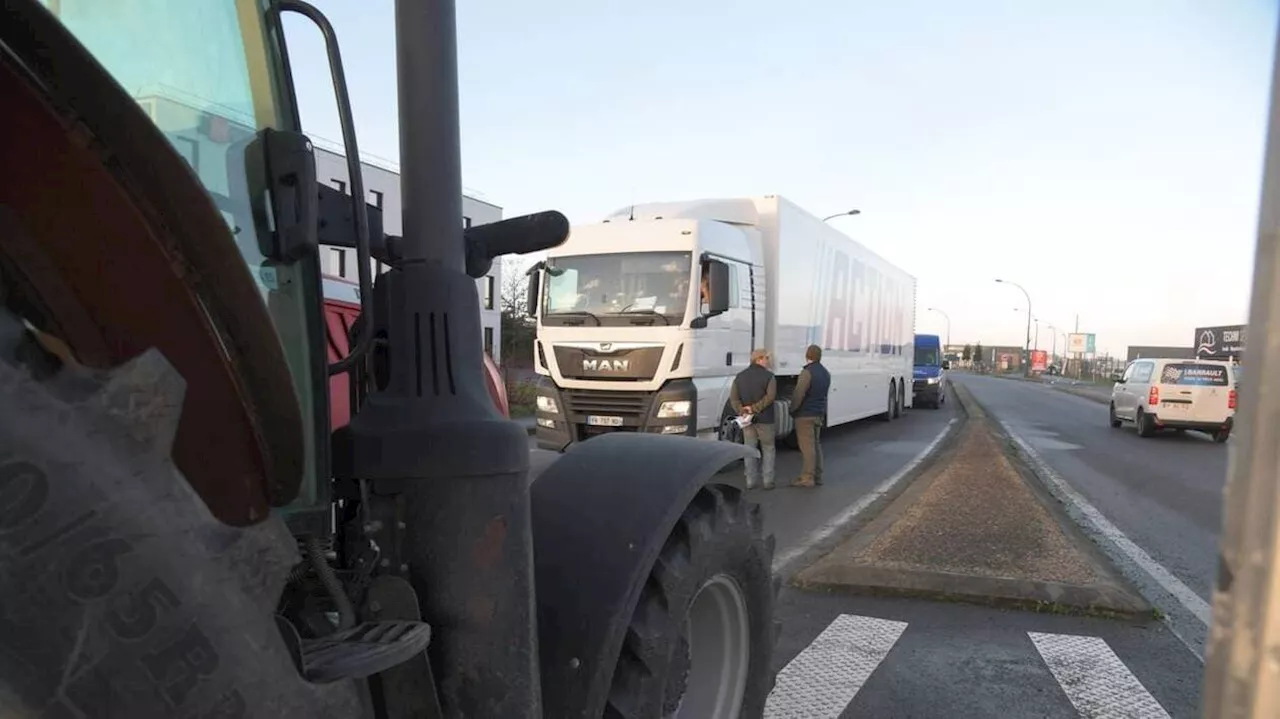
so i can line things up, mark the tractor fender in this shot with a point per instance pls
(600, 516)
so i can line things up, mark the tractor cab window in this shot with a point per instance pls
(209, 75)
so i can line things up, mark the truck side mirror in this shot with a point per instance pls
(532, 293)
(946, 364)
(717, 274)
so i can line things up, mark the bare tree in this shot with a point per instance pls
(518, 329)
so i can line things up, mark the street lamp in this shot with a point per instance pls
(1053, 353)
(945, 317)
(1026, 364)
(850, 213)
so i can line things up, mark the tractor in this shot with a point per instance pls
(185, 528)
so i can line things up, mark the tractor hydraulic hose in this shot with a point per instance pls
(332, 585)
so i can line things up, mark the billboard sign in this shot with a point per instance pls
(1039, 360)
(1220, 343)
(1080, 343)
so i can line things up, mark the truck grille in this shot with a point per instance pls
(591, 401)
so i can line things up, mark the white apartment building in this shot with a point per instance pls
(382, 185)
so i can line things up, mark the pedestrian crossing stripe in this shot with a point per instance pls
(823, 679)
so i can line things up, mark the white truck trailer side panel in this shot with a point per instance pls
(826, 289)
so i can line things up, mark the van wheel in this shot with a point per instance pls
(1115, 421)
(1146, 424)
(1221, 435)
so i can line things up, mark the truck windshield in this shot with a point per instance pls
(209, 75)
(617, 289)
(927, 357)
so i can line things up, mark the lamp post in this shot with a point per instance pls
(945, 317)
(849, 213)
(1026, 357)
(1053, 353)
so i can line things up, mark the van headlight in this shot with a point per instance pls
(934, 380)
(674, 408)
(547, 404)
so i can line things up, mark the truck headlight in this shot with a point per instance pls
(547, 404)
(934, 380)
(674, 408)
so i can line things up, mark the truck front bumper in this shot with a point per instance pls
(568, 415)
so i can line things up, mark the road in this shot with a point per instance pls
(1158, 500)
(1162, 494)
(857, 458)
(845, 656)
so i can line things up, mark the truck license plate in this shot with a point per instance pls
(596, 420)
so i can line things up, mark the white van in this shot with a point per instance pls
(1178, 394)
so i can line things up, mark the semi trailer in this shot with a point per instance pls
(643, 319)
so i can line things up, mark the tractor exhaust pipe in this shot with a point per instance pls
(432, 439)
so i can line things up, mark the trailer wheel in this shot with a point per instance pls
(901, 403)
(700, 642)
(893, 400)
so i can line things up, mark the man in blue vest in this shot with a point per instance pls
(809, 407)
(753, 393)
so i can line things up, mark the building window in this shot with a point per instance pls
(337, 262)
(466, 222)
(339, 185)
(488, 292)
(488, 341)
(375, 198)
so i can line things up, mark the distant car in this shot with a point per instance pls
(1178, 394)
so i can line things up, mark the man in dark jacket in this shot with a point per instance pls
(752, 393)
(809, 407)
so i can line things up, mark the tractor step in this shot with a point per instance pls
(363, 650)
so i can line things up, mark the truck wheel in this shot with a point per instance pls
(900, 401)
(144, 591)
(893, 398)
(701, 639)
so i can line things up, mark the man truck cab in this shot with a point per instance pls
(928, 375)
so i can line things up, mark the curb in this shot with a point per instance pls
(864, 510)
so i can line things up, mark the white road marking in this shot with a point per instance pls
(1094, 679)
(834, 525)
(822, 680)
(1184, 594)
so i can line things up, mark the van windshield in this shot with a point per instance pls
(927, 357)
(1193, 373)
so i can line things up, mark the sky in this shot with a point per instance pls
(1104, 154)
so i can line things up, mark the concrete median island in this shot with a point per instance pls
(977, 526)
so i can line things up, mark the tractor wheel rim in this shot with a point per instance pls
(718, 626)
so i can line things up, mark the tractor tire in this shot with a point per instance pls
(123, 595)
(711, 589)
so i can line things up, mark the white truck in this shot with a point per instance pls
(644, 319)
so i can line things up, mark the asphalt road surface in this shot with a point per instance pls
(845, 656)
(857, 458)
(1161, 496)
